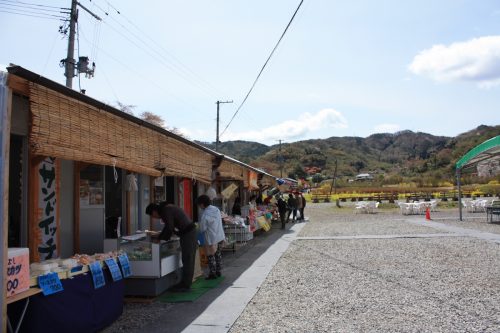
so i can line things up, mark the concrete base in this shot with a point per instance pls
(151, 287)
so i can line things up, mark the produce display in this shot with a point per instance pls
(64, 267)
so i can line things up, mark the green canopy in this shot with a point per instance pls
(486, 150)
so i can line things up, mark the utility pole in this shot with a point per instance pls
(218, 118)
(69, 63)
(70, 59)
(280, 159)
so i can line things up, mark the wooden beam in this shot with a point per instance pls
(76, 207)
(18, 85)
(5, 121)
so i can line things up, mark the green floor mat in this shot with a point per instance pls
(198, 288)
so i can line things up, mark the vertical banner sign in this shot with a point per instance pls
(48, 209)
(185, 189)
(252, 180)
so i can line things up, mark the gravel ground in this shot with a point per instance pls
(327, 220)
(409, 285)
(445, 284)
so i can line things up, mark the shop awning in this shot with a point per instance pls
(70, 125)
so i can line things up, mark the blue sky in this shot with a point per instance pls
(344, 68)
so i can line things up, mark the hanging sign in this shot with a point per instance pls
(47, 216)
(97, 274)
(18, 276)
(50, 284)
(123, 259)
(228, 191)
(113, 269)
(253, 180)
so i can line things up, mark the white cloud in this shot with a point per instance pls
(387, 128)
(476, 60)
(293, 129)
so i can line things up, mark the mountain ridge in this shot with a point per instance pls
(404, 155)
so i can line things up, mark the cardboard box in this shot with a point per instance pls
(18, 271)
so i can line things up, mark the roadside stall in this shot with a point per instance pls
(82, 174)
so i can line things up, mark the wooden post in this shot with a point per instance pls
(5, 117)
(76, 208)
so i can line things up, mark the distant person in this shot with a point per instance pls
(282, 209)
(267, 200)
(213, 231)
(304, 203)
(300, 205)
(236, 207)
(292, 208)
(177, 222)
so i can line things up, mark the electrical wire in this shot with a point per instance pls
(50, 53)
(175, 59)
(78, 45)
(34, 9)
(262, 69)
(4, 10)
(167, 59)
(145, 78)
(33, 4)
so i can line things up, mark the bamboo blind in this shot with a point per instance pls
(67, 128)
(267, 181)
(233, 171)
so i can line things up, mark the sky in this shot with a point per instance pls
(344, 68)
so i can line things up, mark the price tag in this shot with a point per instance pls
(50, 283)
(125, 265)
(97, 274)
(114, 269)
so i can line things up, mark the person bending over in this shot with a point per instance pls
(177, 222)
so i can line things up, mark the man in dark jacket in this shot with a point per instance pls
(292, 207)
(282, 208)
(177, 222)
(304, 203)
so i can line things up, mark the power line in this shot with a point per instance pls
(174, 64)
(52, 17)
(32, 4)
(24, 7)
(167, 53)
(262, 69)
(145, 78)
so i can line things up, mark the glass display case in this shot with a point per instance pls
(150, 259)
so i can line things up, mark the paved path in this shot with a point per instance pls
(487, 236)
(223, 312)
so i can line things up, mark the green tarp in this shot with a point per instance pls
(485, 150)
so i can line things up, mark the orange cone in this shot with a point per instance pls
(428, 214)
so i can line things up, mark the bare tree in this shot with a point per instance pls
(152, 118)
(127, 108)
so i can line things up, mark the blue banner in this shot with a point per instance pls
(97, 274)
(116, 274)
(125, 265)
(50, 283)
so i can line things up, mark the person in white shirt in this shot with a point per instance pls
(213, 232)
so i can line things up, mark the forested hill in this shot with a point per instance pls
(404, 154)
